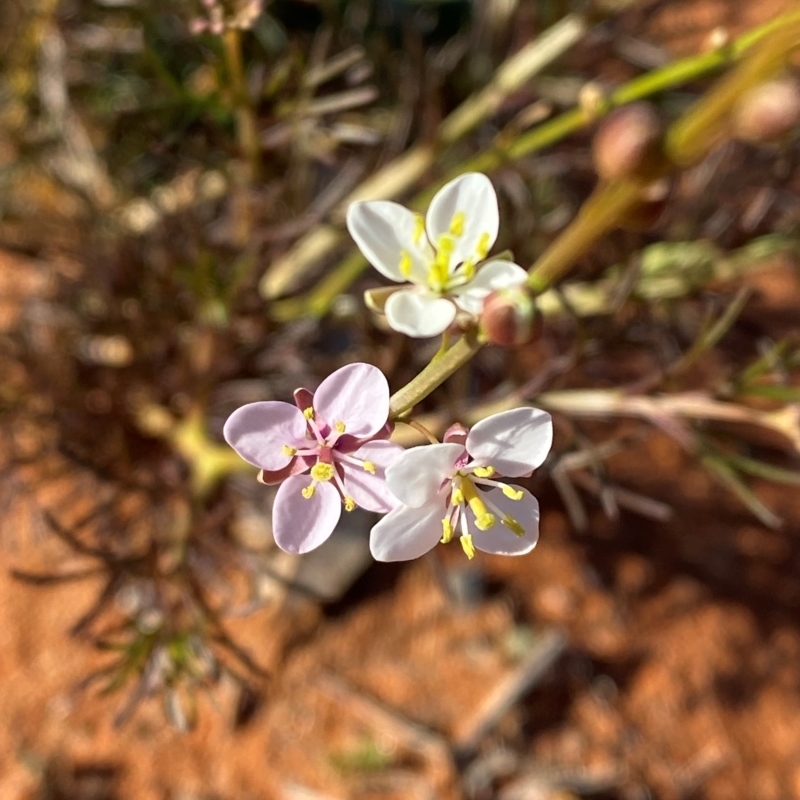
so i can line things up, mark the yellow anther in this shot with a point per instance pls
(484, 472)
(419, 227)
(370, 467)
(483, 518)
(513, 526)
(447, 530)
(405, 264)
(322, 471)
(457, 223)
(468, 546)
(483, 246)
(511, 493)
(468, 269)
(456, 497)
(484, 521)
(349, 504)
(445, 244)
(308, 413)
(288, 450)
(308, 492)
(339, 427)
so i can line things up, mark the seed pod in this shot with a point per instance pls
(768, 112)
(509, 316)
(626, 140)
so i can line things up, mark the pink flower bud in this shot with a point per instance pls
(626, 140)
(768, 112)
(508, 316)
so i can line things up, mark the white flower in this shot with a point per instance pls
(453, 487)
(439, 254)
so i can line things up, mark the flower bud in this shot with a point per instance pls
(768, 112)
(625, 140)
(508, 316)
(652, 204)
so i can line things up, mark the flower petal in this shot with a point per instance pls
(419, 314)
(368, 490)
(407, 533)
(299, 464)
(500, 539)
(513, 442)
(417, 476)
(465, 210)
(391, 238)
(301, 524)
(258, 432)
(492, 276)
(356, 395)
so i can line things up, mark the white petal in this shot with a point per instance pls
(418, 475)
(407, 533)
(468, 204)
(386, 233)
(419, 314)
(499, 538)
(491, 277)
(513, 442)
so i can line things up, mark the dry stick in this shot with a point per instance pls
(404, 171)
(313, 247)
(609, 204)
(546, 650)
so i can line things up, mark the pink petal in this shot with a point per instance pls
(370, 491)
(407, 533)
(417, 476)
(356, 395)
(258, 432)
(499, 539)
(301, 524)
(299, 465)
(513, 442)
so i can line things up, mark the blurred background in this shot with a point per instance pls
(173, 178)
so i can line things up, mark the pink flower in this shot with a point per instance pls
(453, 487)
(327, 451)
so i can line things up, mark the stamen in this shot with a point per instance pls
(369, 467)
(419, 227)
(340, 428)
(288, 450)
(322, 471)
(308, 413)
(456, 496)
(457, 223)
(484, 472)
(468, 546)
(405, 264)
(467, 270)
(482, 247)
(447, 530)
(513, 525)
(349, 504)
(511, 493)
(308, 492)
(484, 519)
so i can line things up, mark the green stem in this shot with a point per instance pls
(246, 124)
(338, 279)
(434, 375)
